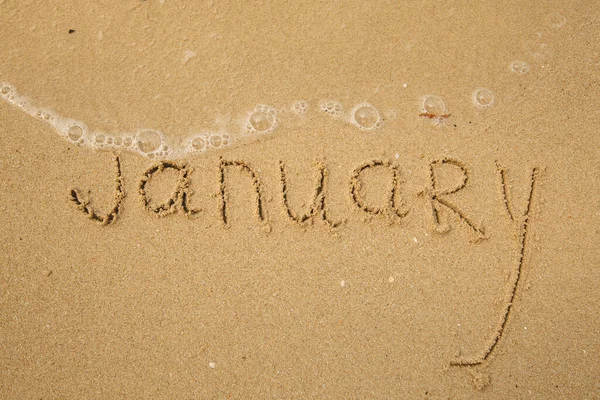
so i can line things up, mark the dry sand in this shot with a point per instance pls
(450, 261)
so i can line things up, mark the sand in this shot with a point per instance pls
(433, 256)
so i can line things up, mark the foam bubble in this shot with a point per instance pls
(365, 117)
(439, 120)
(300, 107)
(262, 120)
(99, 138)
(148, 140)
(10, 94)
(209, 140)
(332, 108)
(48, 116)
(198, 143)
(118, 140)
(433, 105)
(556, 20)
(5, 89)
(127, 141)
(218, 140)
(164, 152)
(75, 132)
(215, 141)
(520, 67)
(483, 98)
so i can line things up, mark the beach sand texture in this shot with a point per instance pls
(362, 200)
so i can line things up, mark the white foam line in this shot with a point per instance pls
(149, 143)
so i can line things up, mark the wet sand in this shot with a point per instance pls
(414, 260)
